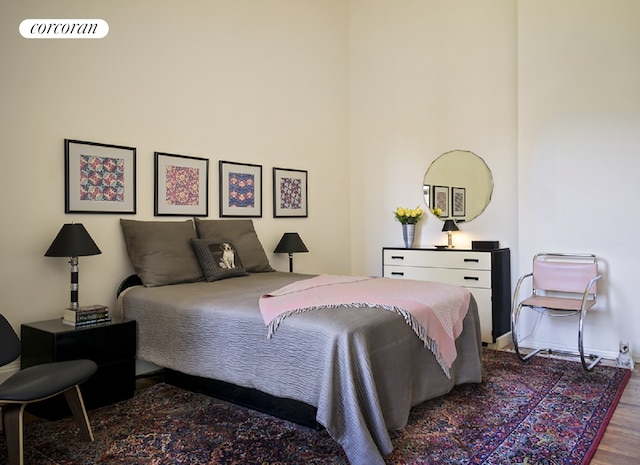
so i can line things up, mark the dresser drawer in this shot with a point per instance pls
(464, 278)
(438, 259)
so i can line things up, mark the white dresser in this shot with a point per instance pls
(486, 273)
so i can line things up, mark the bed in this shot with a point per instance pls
(360, 370)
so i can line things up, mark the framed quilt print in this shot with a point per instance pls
(181, 185)
(240, 189)
(289, 193)
(99, 178)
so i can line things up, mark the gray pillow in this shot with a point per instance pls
(242, 235)
(218, 260)
(161, 251)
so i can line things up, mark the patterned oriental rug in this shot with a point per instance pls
(546, 411)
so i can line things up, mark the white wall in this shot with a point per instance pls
(428, 77)
(579, 152)
(245, 81)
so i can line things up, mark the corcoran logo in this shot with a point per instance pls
(64, 28)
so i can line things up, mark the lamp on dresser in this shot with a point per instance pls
(449, 227)
(73, 241)
(290, 243)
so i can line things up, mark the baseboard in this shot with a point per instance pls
(501, 342)
(534, 345)
(145, 368)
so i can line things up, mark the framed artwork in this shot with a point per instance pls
(99, 178)
(240, 189)
(458, 201)
(289, 193)
(181, 185)
(441, 200)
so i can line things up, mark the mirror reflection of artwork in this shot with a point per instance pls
(441, 200)
(458, 201)
(472, 180)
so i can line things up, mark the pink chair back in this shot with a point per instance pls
(564, 276)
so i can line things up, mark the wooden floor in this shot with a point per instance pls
(620, 444)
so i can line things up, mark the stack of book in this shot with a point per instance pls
(85, 316)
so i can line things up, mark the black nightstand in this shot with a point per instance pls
(112, 346)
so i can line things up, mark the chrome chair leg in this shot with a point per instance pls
(515, 316)
(591, 366)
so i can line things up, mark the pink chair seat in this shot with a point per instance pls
(556, 303)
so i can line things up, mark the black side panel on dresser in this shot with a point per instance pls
(111, 346)
(501, 279)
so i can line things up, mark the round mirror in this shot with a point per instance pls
(458, 184)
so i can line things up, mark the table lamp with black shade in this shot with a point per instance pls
(290, 243)
(73, 241)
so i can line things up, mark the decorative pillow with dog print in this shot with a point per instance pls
(243, 236)
(218, 260)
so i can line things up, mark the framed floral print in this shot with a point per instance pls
(240, 189)
(289, 193)
(99, 178)
(181, 185)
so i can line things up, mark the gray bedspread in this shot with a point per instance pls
(363, 368)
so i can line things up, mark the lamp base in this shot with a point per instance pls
(73, 261)
(449, 240)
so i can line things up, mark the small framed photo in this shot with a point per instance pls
(458, 201)
(441, 200)
(181, 185)
(240, 189)
(99, 178)
(290, 193)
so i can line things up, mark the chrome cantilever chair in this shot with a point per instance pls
(38, 383)
(563, 285)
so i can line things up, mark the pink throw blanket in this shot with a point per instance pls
(433, 310)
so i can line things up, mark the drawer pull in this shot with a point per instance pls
(397, 257)
(397, 273)
(474, 260)
(472, 278)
